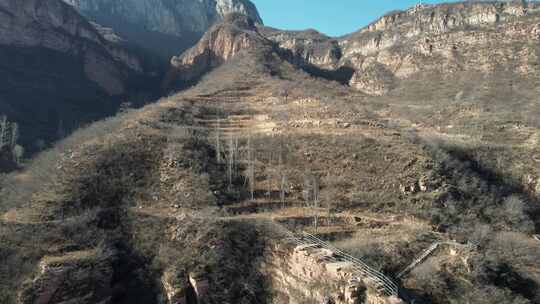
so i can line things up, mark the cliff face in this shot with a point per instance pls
(307, 47)
(79, 277)
(54, 25)
(445, 17)
(445, 38)
(57, 70)
(302, 274)
(221, 43)
(173, 25)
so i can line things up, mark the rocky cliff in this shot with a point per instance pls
(58, 71)
(303, 274)
(163, 26)
(56, 26)
(221, 43)
(66, 279)
(307, 47)
(446, 38)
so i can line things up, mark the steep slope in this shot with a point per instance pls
(446, 38)
(57, 69)
(164, 27)
(138, 210)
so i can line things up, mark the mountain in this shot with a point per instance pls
(58, 71)
(445, 38)
(276, 179)
(165, 27)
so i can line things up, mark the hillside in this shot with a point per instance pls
(62, 70)
(262, 183)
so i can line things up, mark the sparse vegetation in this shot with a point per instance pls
(181, 186)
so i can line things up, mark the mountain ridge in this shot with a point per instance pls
(174, 26)
(392, 47)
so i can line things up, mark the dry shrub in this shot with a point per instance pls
(430, 278)
(389, 249)
(489, 295)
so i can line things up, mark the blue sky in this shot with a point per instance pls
(332, 17)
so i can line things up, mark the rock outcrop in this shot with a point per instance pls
(164, 26)
(78, 277)
(220, 44)
(446, 38)
(307, 47)
(301, 274)
(54, 25)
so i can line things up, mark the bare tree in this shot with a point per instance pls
(14, 135)
(230, 160)
(251, 168)
(285, 92)
(18, 153)
(281, 174)
(283, 188)
(316, 187)
(236, 154)
(311, 194)
(218, 139)
(3, 131)
(269, 173)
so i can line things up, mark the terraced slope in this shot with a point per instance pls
(180, 194)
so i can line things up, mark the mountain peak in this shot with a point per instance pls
(243, 7)
(222, 42)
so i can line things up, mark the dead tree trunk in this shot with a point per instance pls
(3, 131)
(251, 169)
(14, 135)
(230, 162)
(218, 140)
(316, 201)
(311, 195)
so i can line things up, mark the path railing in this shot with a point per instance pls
(364, 273)
(424, 255)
